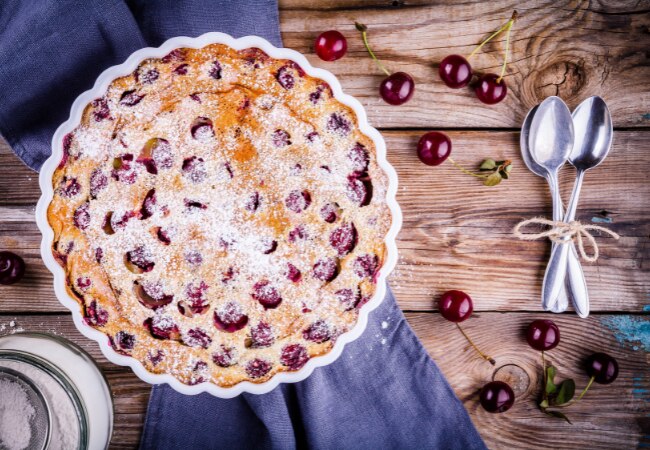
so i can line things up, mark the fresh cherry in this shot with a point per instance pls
(602, 368)
(455, 306)
(330, 45)
(12, 268)
(434, 148)
(497, 397)
(397, 88)
(543, 335)
(490, 89)
(455, 71)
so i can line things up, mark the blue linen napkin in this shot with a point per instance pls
(383, 392)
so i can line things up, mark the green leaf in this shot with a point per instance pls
(508, 168)
(566, 392)
(544, 404)
(488, 164)
(557, 414)
(551, 388)
(493, 179)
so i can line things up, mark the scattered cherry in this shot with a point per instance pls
(455, 306)
(455, 71)
(543, 335)
(434, 148)
(12, 268)
(602, 368)
(497, 397)
(330, 45)
(396, 88)
(491, 89)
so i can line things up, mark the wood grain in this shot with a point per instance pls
(456, 233)
(608, 417)
(569, 48)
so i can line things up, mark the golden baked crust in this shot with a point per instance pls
(219, 215)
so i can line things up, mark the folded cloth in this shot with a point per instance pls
(383, 392)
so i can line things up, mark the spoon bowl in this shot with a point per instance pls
(551, 134)
(593, 133)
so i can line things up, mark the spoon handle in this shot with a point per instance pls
(574, 268)
(556, 271)
(560, 303)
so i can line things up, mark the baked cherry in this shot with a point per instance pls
(344, 238)
(162, 327)
(349, 298)
(294, 356)
(491, 88)
(330, 45)
(337, 123)
(434, 148)
(224, 357)
(455, 71)
(293, 273)
(543, 335)
(196, 337)
(326, 269)
(262, 335)
(497, 397)
(258, 368)
(297, 201)
(230, 318)
(397, 88)
(602, 368)
(94, 315)
(317, 332)
(266, 294)
(151, 295)
(455, 306)
(81, 217)
(12, 268)
(359, 157)
(365, 266)
(330, 212)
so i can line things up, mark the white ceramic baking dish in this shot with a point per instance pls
(47, 192)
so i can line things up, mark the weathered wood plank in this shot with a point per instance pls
(457, 233)
(567, 48)
(608, 417)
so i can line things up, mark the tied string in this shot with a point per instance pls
(563, 233)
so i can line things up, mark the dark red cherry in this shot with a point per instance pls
(344, 238)
(225, 357)
(266, 294)
(162, 327)
(196, 337)
(94, 315)
(455, 306)
(455, 71)
(366, 266)
(81, 217)
(497, 397)
(489, 91)
(258, 368)
(602, 367)
(326, 269)
(543, 335)
(262, 335)
(293, 273)
(330, 45)
(230, 318)
(294, 356)
(397, 88)
(298, 201)
(317, 332)
(151, 295)
(12, 268)
(434, 148)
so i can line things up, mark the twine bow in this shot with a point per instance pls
(563, 233)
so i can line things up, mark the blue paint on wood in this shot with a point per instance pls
(646, 116)
(630, 330)
(646, 308)
(597, 219)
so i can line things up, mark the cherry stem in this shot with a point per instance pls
(508, 25)
(544, 373)
(465, 171)
(483, 355)
(505, 56)
(364, 35)
(584, 391)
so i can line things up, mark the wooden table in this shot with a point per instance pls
(458, 233)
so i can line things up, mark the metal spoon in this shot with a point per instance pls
(593, 124)
(562, 301)
(551, 142)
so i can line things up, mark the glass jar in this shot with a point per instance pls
(78, 400)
